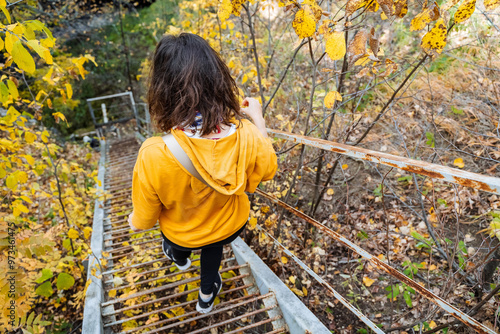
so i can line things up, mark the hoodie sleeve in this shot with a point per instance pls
(266, 162)
(147, 205)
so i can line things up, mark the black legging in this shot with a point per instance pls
(211, 256)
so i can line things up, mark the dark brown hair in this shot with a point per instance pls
(187, 75)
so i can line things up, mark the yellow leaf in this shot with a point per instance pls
(45, 136)
(284, 260)
(304, 291)
(9, 41)
(292, 279)
(72, 233)
(29, 159)
(298, 292)
(368, 281)
(42, 51)
(432, 267)
(330, 192)
(434, 41)
(252, 223)
(69, 89)
(345, 166)
(245, 78)
(13, 89)
(29, 137)
(6, 12)
(335, 45)
(304, 23)
(11, 181)
(86, 232)
(39, 95)
(491, 4)
(465, 11)
(432, 324)
(91, 58)
(22, 57)
(459, 163)
(401, 8)
(428, 14)
(112, 293)
(48, 77)
(331, 97)
(58, 115)
(225, 10)
(49, 103)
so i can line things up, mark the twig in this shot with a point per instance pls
(256, 58)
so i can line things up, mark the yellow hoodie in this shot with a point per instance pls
(190, 213)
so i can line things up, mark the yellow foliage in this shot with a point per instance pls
(368, 281)
(331, 97)
(434, 41)
(401, 8)
(491, 4)
(22, 57)
(335, 45)
(304, 22)
(465, 11)
(225, 10)
(428, 14)
(72, 233)
(459, 163)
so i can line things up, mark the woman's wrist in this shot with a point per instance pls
(260, 123)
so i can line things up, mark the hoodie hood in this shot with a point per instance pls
(224, 163)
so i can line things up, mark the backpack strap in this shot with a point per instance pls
(182, 157)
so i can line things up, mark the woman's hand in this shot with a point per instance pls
(253, 109)
(130, 223)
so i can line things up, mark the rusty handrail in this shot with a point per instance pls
(453, 175)
(467, 320)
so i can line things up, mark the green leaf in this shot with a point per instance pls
(44, 290)
(46, 274)
(30, 318)
(430, 139)
(442, 202)
(65, 281)
(407, 297)
(457, 111)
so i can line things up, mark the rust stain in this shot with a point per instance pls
(391, 164)
(420, 170)
(473, 184)
(338, 150)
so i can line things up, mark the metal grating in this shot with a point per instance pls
(148, 294)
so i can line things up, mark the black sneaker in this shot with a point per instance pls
(167, 250)
(205, 307)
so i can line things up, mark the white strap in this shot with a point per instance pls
(181, 156)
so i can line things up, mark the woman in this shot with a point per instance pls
(192, 94)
